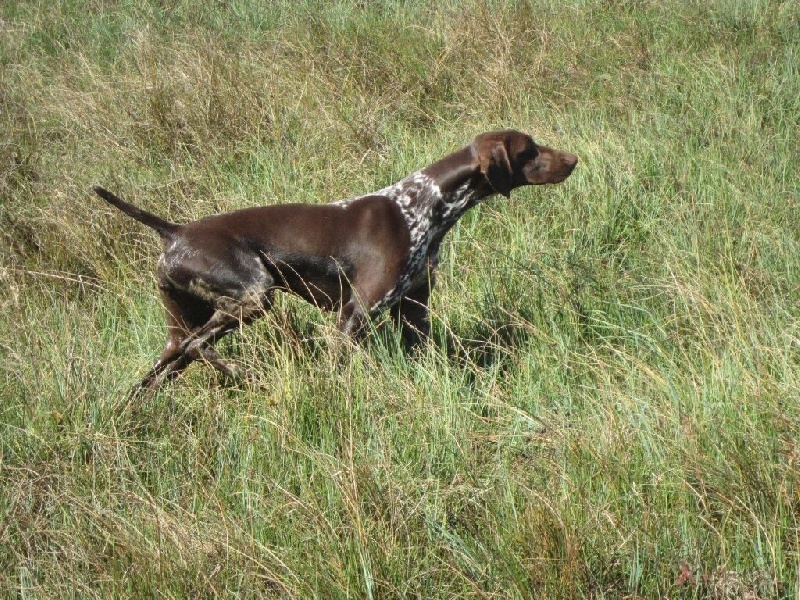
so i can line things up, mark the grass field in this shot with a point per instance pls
(610, 407)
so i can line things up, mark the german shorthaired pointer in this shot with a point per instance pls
(357, 256)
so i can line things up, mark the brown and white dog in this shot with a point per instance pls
(357, 256)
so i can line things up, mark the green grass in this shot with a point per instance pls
(610, 406)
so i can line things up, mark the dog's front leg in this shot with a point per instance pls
(412, 315)
(352, 319)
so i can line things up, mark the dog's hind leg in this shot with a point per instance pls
(197, 344)
(182, 350)
(244, 313)
(185, 314)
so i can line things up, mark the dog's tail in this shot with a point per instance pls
(164, 228)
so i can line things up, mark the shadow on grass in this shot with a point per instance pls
(491, 342)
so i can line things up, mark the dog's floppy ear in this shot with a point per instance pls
(496, 166)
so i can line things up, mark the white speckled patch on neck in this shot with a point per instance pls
(429, 213)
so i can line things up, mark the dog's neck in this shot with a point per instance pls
(431, 201)
(434, 198)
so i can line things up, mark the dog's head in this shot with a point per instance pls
(510, 159)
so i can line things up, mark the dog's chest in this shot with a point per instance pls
(429, 214)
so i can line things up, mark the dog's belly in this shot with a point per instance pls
(324, 281)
